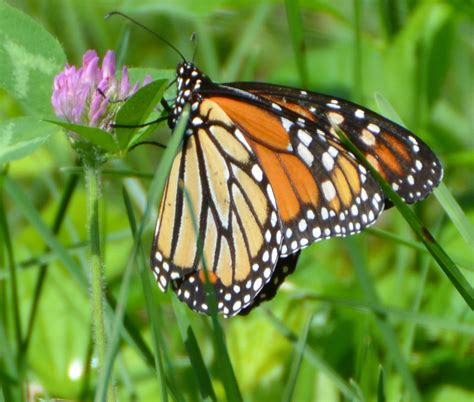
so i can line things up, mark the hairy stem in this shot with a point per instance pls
(93, 184)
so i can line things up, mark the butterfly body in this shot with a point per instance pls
(261, 175)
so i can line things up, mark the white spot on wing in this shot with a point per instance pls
(335, 118)
(302, 225)
(257, 172)
(304, 137)
(286, 124)
(328, 190)
(241, 138)
(333, 151)
(374, 128)
(328, 161)
(367, 137)
(305, 154)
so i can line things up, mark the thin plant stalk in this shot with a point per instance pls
(93, 185)
(43, 269)
(10, 260)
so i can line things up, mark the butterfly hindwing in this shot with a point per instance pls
(285, 266)
(219, 203)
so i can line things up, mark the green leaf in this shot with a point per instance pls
(95, 135)
(20, 137)
(137, 109)
(29, 59)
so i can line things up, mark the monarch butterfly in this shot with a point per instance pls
(265, 176)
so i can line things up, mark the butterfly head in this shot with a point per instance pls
(188, 80)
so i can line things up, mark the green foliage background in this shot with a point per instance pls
(367, 318)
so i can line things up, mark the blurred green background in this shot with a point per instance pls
(377, 303)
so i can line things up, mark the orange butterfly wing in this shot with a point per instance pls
(320, 189)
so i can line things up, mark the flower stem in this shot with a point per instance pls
(93, 185)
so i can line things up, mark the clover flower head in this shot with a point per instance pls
(88, 95)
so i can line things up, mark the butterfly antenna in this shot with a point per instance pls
(112, 13)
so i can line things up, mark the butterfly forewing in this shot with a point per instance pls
(403, 159)
(320, 189)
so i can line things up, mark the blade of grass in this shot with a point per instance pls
(5, 241)
(416, 304)
(442, 193)
(392, 312)
(389, 17)
(460, 159)
(358, 76)
(413, 244)
(246, 42)
(152, 310)
(455, 213)
(357, 389)
(84, 392)
(381, 387)
(123, 44)
(296, 362)
(226, 371)
(224, 364)
(8, 371)
(312, 357)
(444, 261)
(354, 247)
(156, 190)
(295, 24)
(187, 333)
(43, 268)
(200, 371)
(23, 203)
(77, 247)
(362, 355)
(126, 379)
(384, 234)
(207, 48)
(72, 21)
